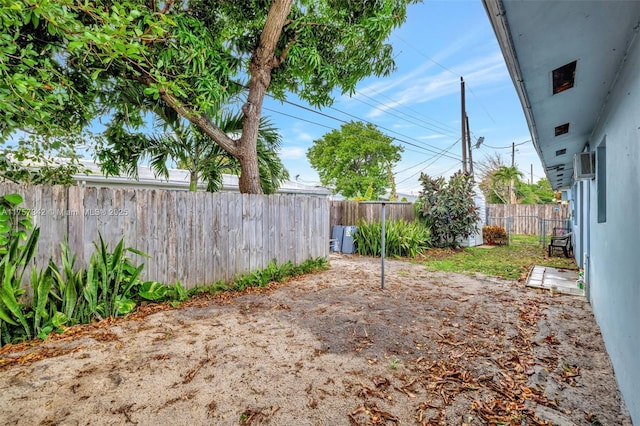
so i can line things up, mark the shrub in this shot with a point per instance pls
(402, 238)
(448, 208)
(494, 235)
(15, 228)
(62, 296)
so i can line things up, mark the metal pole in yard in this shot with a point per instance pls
(382, 237)
(383, 247)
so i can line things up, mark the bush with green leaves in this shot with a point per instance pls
(112, 280)
(448, 208)
(17, 247)
(64, 296)
(402, 238)
(158, 292)
(261, 278)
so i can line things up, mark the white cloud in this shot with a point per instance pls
(478, 72)
(304, 137)
(292, 153)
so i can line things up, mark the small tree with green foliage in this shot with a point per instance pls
(448, 208)
(355, 160)
(502, 184)
(535, 193)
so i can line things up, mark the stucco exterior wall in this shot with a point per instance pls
(614, 245)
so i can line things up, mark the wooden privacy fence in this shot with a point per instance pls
(527, 219)
(350, 212)
(520, 218)
(197, 238)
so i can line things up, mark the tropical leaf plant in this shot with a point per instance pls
(68, 285)
(112, 280)
(41, 282)
(153, 290)
(402, 238)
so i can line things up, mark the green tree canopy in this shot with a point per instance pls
(64, 62)
(355, 160)
(536, 193)
(40, 160)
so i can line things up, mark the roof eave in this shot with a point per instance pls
(497, 17)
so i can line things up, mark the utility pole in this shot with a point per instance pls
(512, 195)
(463, 115)
(469, 145)
(531, 173)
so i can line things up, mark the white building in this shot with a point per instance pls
(179, 180)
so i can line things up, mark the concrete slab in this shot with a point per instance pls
(555, 280)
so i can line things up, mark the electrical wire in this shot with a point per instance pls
(506, 147)
(430, 164)
(432, 127)
(331, 128)
(424, 55)
(424, 146)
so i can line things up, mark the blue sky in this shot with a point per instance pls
(419, 104)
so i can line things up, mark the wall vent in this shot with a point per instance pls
(564, 77)
(584, 165)
(561, 129)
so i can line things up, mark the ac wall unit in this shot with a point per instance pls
(584, 165)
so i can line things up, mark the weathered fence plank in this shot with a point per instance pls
(351, 212)
(197, 238)
(527, 219)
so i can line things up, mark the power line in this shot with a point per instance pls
(343, 121)
(506, 147)
(424, 55)
(428, 148)
(433, 127)
(448, 70)
(297, 118)
(432, 162)
(428, 159)
(389, 130)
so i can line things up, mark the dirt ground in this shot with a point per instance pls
(331, 348)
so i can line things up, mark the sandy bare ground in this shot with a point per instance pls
(329, 349)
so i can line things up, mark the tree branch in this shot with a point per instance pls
(283, 56)
(167, 7)
(207, 126)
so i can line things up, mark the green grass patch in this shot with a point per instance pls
(262, 278)
(510, 262)
(524, 239)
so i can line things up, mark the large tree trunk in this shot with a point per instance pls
(262, 63)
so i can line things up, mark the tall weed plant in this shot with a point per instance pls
(402, 238)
